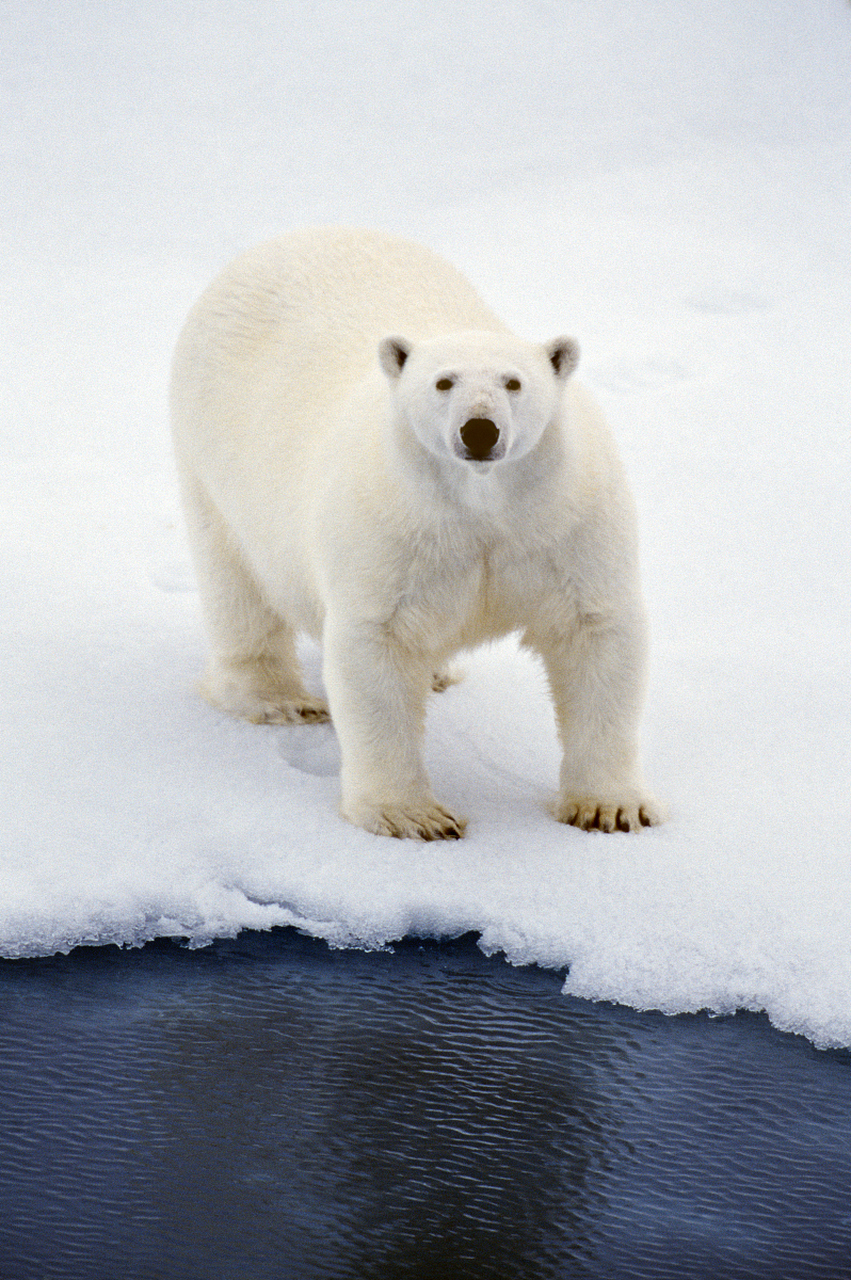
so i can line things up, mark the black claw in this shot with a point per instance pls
(593, 823)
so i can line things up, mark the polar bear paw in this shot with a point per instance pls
(590, 813)
(306, 710)
(264, 708)
(427, 821)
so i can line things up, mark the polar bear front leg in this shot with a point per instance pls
(377, 696)
(597, 682)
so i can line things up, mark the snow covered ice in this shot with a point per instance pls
(670, 184)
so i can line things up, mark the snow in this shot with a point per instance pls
(669, 183)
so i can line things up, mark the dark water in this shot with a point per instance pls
(268, 1109)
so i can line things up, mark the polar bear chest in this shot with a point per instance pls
(494, 595)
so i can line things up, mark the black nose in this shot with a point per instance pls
(479, 436)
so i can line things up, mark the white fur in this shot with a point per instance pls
(329, 489)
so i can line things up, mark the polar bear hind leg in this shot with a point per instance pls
(253, 671)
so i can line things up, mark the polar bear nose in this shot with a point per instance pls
(479, 436)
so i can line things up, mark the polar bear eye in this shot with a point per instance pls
(445, 384)
(512, 384)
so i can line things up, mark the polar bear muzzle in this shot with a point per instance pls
(479, 436)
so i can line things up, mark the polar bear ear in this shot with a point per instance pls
(563, 354)
(393, 352)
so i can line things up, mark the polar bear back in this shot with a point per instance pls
(349, 287)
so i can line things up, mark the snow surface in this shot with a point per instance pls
(667, 181)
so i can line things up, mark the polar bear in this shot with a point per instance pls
(367, 454)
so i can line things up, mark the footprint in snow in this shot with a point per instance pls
(173, 575)
(640, 375)
(727, 302)
(310, 748)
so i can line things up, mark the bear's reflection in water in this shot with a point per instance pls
(269, 1108)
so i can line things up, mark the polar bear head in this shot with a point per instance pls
(477, 398)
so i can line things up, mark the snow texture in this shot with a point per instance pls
(670, 183)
